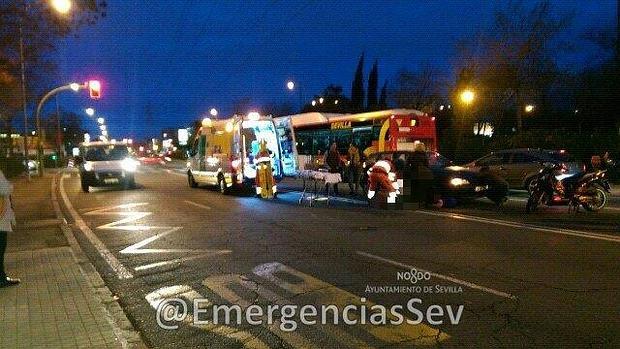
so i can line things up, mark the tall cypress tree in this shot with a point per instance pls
(357, 88)
(383, 97)
(373, 81)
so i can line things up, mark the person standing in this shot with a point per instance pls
(354, 172)
(421, 176)
(333, 160)
(7, 221)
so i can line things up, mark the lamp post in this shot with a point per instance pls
(75, 87)
(60, 6)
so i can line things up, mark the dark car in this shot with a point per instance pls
(519, 166)
(449, 181)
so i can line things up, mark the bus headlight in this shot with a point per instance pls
(458, 182)
(129, 165)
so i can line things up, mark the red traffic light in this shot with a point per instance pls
(94, 89)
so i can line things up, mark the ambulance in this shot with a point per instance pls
(224, 152)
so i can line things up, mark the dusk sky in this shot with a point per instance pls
(180, 58)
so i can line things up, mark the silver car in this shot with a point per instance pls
(518, 166)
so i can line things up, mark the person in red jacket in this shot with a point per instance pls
(379, 181)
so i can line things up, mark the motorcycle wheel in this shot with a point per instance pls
(599, 199)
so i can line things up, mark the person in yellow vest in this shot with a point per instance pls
(7, 221)
(265, 183)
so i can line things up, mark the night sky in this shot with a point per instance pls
(173, 60)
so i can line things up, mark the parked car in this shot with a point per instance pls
(449, 181)
(519, 166)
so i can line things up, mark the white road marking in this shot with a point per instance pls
(170, 262)
(121, 271)
(137, 247)
(439, 276)
(512, 224)
(247, 339)
(321, 292)
(197, 204)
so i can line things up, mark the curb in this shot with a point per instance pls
(127, 335)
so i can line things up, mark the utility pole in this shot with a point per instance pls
(58, 132)
(22, 62)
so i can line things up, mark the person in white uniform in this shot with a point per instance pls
(7, 221)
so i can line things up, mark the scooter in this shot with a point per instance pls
(589, 190)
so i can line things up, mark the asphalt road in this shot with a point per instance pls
(542, 280)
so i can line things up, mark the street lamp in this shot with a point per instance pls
(529, 108)
(290, 85)
(213, 112)
(321, 100)
(467, 96)
(100, 121)
(61, 6)
(89, 111)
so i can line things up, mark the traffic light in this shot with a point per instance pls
(94, 89)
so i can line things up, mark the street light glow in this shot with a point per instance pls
(74, 86)
(103, 127)
(529, 108)
(62, 6)
(313, 102)
(290, 85)
(213, 112)
(89, 111)
(100, 121)
(321, 100)
(467, 96)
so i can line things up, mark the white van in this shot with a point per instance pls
(106, 164)
(223, 151)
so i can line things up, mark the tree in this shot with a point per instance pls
(514, 59)
(41, 28)
(383, 97)
(334, 101)
(357, 87)
(373, 81)
(417, 90)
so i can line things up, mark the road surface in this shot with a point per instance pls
(487, 278)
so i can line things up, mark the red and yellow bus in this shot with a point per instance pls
(303, 136)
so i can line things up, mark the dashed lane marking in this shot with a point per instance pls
(439, 276)
(197, 204)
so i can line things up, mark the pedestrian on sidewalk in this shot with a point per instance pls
(7, 221)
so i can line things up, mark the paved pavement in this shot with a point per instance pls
(545, 280)
(60, 303)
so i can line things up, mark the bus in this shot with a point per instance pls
(308, 135)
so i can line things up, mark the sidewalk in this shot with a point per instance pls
(59, 303)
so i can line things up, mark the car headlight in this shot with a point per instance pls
(129, 165)
(457, 182)
(88, 166)
(32, 164)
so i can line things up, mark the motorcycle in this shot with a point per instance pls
(589, 190)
